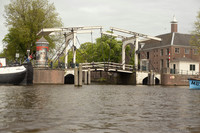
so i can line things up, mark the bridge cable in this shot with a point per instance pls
(57, 51)
(66, 53)
(79, 50)
(61, 53)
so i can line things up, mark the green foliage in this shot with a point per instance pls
(70, 57)
(195, 41)
(25, 18)
(106, 49)
(132, 60)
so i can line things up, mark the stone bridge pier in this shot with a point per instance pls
(135, 78)
(142, 78)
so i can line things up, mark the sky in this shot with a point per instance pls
(150, 17)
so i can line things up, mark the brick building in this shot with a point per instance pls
(173, 54)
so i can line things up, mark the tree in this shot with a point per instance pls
(25, 18)
(106, 49)
(195, 41)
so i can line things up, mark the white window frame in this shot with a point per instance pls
(177, 52)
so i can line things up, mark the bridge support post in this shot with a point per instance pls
(75, 76)
(74, 47)
(136, 54)
(67, 39)
(87, 79)
(151, 80)
(78, 76)
(123, 56)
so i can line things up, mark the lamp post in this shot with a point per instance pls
(17, 56)
(28, 52)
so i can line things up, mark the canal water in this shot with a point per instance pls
(99, 109)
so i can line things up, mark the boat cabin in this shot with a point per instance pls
(2, 61)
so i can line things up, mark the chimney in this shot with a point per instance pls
(174, 25)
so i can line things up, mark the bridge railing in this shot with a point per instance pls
(179, 71)
(106, 66)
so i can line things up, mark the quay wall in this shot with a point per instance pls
(48, 76)
(176, 79)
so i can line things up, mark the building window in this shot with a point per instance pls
(161, 52)
(144, 65)
(196, 52)
(177, 50)
(187, 50)
(147, 55)
(167, 63)
(167, 51)
(192, 67)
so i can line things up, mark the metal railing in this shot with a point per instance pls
(107, 66)
(178, 71)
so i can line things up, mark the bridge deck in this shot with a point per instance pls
(107, 66)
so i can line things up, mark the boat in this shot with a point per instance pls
(194, 83)
(12, 74)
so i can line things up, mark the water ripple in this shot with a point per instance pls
(99, 108)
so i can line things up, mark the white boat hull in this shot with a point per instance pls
(12, 75)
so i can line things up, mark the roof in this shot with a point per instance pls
(42, 39)
(169, 39)
(182, 39)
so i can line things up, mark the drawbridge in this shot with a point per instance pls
(128, 38)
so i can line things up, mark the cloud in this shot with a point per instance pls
(145, 16)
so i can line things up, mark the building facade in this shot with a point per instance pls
(163, 56)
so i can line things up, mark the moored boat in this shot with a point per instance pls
(12, 74)
(194, 83)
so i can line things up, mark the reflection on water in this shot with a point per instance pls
(99, 109)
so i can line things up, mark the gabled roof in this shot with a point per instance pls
(182, 39)
(169, 39)
(42, 39)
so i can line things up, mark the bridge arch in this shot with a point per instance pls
(146, 80)
(132, 41)
(69, 76)
(157, 81)
(128, 54)
(142, 78)
(69, 79)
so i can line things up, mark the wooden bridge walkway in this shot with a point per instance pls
(107, 66)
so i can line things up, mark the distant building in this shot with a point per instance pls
(173, 54)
